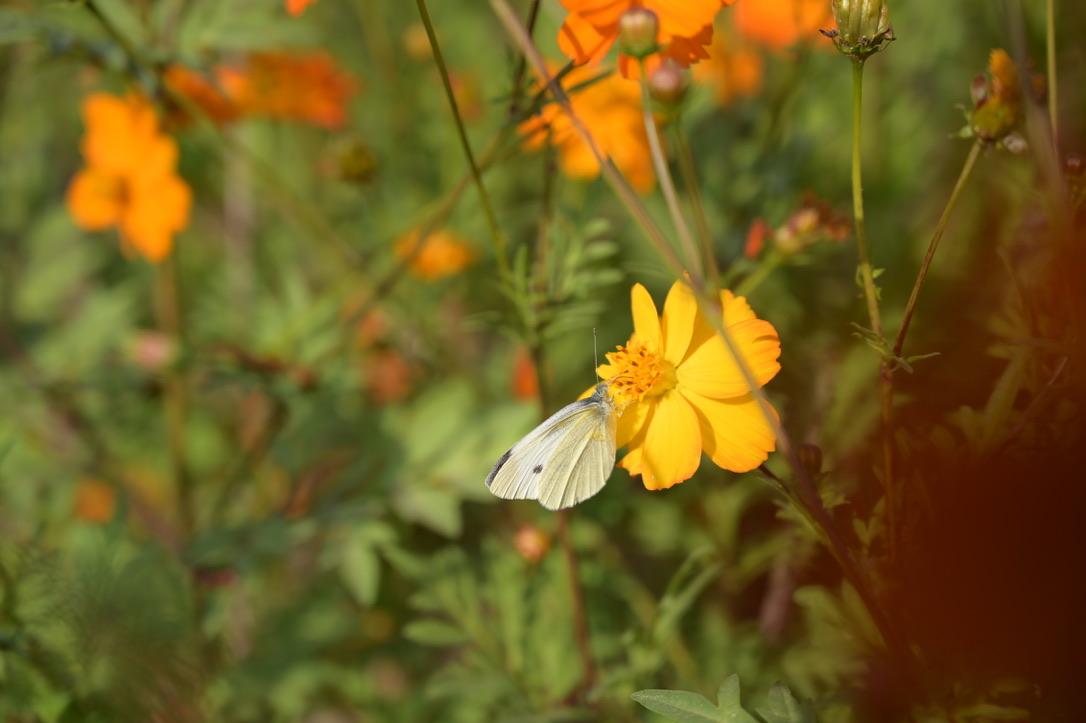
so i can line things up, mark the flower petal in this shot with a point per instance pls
(671, 447)
(631, 422)
(712, 371)
(581, 42)
(680, 311)
(734, 432)
(94, 200)
(646, 321)
(734, 308)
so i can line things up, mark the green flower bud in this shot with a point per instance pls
(637, 31)
(863, 27)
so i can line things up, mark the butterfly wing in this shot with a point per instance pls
(563, 461)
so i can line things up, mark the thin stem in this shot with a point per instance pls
(933, 245)
(522, 63)
(1053, 86)
(689, 172)
(476, 174)
(770, 263)
(663, 176)
(871, 296)
(175, 397)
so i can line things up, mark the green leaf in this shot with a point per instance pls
(360, 569)
(434, 632)
(680, 705)
(728, 700)
(783, 707)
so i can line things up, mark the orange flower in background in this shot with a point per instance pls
(202, 91)
(525, 383)
(611, 110)
(297, 7)
(95, 501)
(304, 87)
(130, 178)
(592, 27)
(680, 390)
(307, 87)
(781, 23)
(441, 254)
(734, 69)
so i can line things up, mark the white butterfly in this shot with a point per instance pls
(563, 461)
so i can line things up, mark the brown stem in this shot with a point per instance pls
(175, 397)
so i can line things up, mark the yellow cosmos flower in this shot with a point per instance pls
(681, 392)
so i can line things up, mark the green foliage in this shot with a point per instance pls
(245, 485)
(685, 707)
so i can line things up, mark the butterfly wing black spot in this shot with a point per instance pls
(500, 463)
(537, 469)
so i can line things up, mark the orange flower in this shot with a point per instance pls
(592, 27)
(441, 254)
(297, 7)
(525, 381)
(202, 91)
(307, 87)
(130, 179)
(95, 501)
(304, 87)
(781, 23)
(734, 69)
(611, 110)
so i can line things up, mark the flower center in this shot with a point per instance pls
(639, 373)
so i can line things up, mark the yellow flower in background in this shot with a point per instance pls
(610, 109)
(681, 392)
(441, 254)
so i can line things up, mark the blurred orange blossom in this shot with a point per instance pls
(592, 26)
(779, 24)
(734, 68)
(441, 254)
(95, 501)
(297, 7)
(610, 109)
(680, 391)
(306, 87)
(130, 178)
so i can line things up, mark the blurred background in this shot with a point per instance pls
(258, 352)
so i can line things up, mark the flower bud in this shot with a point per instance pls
(863, 27)
(668, 83)
(637, 30)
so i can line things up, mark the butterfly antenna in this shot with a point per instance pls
(595, 356)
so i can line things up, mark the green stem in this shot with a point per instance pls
(663, 176)
(689, 172)
(933, 245)
(866, 273)
(1053, 87)
(770, 263)
(476, 174)
(871, 296)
